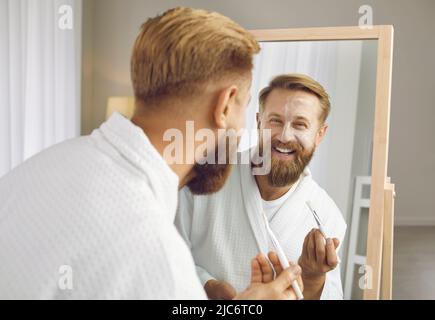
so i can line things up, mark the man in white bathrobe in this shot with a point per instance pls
(92, 218)
(223, 230)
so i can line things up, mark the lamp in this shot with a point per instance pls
(123, 105)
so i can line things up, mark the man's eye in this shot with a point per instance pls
(300, 125)
(275, 121)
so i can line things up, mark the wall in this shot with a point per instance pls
(110, 27)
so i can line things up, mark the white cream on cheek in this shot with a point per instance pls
(305, 137)
(297, 106)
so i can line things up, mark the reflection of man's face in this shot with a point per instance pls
(210, 178)
(293, 117)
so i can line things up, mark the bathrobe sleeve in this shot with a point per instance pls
(183, 222)
(333, 289)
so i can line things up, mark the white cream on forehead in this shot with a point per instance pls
(298, 105)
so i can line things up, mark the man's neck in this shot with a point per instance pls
(155, 130)
(267, 192)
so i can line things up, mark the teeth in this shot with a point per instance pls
(284, 150)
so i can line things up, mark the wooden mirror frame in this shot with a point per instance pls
(381, 216)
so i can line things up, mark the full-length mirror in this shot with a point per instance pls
(320, 105)
(354, 67)
(341, 163)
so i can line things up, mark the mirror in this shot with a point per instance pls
(354, 65)
(346, 183)
(342, 162)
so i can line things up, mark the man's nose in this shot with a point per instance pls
(286, 134)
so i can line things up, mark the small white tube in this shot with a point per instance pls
(282, 258)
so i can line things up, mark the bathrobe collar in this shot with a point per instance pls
(254, 207)
(282, 223)
(135, 147)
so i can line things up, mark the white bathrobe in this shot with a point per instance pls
(226, 230)
(92, 218)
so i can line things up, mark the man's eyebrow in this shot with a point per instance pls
(302, 118)
(274, 114)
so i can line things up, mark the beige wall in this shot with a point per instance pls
(110, 27)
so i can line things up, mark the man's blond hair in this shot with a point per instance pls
(180, 51)
(298, 82)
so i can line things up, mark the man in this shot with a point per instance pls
(93, 217)
(224, 229)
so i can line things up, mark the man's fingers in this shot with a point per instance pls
(273, 257)
(305, 245)
(300, 282)
(228, 292)
(299, 278)
(311, 247)
(336, 243)
(256, 275)
(219, 290)
(290, 292)
(266, 268)
(320, 246)
(287, 276)
(331, 255)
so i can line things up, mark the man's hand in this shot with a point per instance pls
(318, 257)
(219, 290)
(264, 285)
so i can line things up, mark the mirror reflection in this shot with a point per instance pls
(317, 100)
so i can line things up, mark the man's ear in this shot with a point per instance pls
(321, 134)
(226, 100)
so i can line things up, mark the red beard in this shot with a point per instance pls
(286, 172)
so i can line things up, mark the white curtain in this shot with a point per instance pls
(40, 50)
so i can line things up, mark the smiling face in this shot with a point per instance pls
(294, 119)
